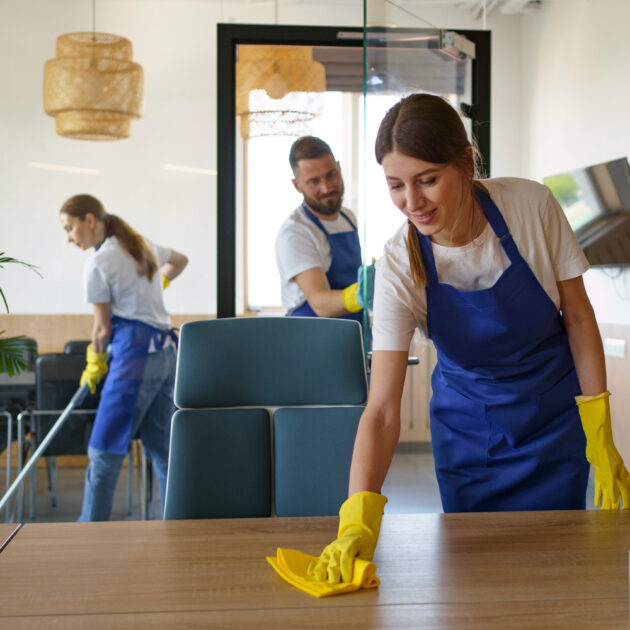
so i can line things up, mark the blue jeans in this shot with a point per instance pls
(152, 424)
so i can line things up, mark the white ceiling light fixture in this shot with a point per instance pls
(190, 169)
(92, 87)
(67, 169)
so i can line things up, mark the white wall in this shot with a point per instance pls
(576, 91)
(175, 42)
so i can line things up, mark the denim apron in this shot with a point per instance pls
(346, 260)
(505, 428)
(130, 344)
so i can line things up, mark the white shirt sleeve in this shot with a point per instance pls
(163, 253)
(297, 251)
(399, 308)
(97, 289)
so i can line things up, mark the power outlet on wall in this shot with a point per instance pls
(615, 347)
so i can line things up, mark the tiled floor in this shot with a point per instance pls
(410, 487)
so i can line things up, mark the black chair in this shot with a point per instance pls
(56, 380)
(76, 346)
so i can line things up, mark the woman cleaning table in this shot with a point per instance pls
(491, 272)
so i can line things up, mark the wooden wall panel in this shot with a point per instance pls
(52, 331)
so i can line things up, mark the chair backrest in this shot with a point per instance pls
(307, 373)
(76, 346)
(56, 380)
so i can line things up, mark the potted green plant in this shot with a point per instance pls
(13, 350)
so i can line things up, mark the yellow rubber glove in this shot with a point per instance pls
(359, 526)
(95, 368)
(165, 282)
(612, 480)
(350, 299)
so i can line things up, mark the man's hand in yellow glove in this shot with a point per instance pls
(165, 282)
(612, 480)
(350, 298)
(359, 526)
(95, 368)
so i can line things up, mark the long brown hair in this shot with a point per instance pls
(135, 244)
(426, 127)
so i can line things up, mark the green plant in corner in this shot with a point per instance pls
(13, 350)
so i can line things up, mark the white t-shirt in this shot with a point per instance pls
(111, 275)
(539, 228)
(301, 245)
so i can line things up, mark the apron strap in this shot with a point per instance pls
(498, 225)
(318, 223)
(427, 258)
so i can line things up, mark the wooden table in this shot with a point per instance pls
(501, 570)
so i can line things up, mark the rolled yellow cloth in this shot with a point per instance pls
(291, 565)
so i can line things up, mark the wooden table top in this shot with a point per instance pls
(495, 570)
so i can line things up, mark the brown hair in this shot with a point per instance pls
(135, 244)
(307, 148)
(426, 127)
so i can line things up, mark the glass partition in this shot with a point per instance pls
(403, 54)
(366, 70)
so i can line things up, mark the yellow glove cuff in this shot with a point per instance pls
(349, 297)
(585, 399)
(363, 509)
(95, 357)
(165, 282)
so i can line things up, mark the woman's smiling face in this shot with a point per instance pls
(434, 197)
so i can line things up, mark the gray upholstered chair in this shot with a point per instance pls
(267, 407)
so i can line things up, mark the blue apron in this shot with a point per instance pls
(129, 350)
(505, 428)
(343, 271)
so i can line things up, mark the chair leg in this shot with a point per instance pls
(130, 480)
(144, 505)
(33, 475)
(51, 465)
(33, 494)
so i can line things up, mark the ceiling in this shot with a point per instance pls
(505, 7)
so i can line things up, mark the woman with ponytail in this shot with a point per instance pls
(124, 279)
(491, 272)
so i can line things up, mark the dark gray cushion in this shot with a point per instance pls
(312, 455)
(219, 464)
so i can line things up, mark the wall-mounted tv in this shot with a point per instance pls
(596, 201)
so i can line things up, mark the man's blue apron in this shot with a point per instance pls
(505, 428)
(346, 260)
(129, 350)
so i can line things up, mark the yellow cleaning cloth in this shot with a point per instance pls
(291, 566)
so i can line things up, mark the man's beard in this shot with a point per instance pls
(328, 206)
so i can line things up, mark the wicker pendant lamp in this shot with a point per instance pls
(93, 88)
(277, 88)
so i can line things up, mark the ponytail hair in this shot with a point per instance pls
(134, 243)
(426, 127)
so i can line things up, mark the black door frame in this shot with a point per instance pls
(229, 36)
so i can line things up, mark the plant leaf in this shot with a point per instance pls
(5, 260)
(15, 354)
